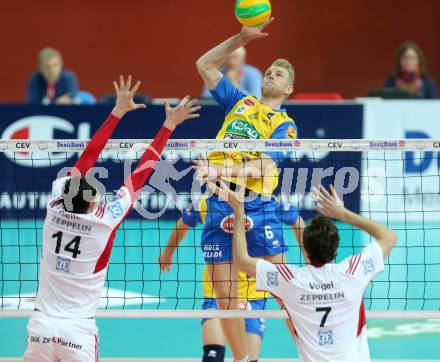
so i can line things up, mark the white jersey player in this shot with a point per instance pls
(78, 236)
(324, 300)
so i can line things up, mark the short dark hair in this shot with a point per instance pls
(321, 240)
(77, 193)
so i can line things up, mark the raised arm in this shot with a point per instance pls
(331, 206)
(124, 104)
(208, 65)
(298, 229)
(174, 116)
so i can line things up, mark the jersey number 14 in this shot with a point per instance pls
(71, 247)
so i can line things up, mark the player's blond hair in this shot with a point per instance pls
(283, 63)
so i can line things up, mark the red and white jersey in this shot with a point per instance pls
(325, 304)
(75, 253)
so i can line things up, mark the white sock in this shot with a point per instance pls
(246, 359)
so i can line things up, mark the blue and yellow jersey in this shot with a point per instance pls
(247, 118)
(197, 214)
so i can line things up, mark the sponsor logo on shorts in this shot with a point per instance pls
(212, 251)
(57, 340)
(63, 264)
(227, 224)
(368, 266)
(272, 278)
(239, 129)
(325, 338)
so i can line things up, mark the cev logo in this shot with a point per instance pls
(41, 128)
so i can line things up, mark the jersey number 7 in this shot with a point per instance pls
(324, 318)
(74, 242)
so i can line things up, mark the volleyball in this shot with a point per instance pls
(252, 12)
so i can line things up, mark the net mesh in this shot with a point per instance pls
(398, 185)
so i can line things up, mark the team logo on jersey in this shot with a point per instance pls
(240, 110)
(249, 102)
(115, 209)
(270, 115)
(368, 266)
(63, 264)
(272, 278)
(291, 132)
(325, 338)
(119, 195)
(227, 224)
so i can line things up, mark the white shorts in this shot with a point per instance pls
(61, 339)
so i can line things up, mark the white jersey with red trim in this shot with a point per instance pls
(325, 304)
(75, 253)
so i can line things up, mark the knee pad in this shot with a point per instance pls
(213, 353)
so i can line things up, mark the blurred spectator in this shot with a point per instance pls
(411, 73)
(84, 98)
(52, 84)
(245, 77)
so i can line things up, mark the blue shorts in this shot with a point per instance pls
(253, 325)
(263, 230)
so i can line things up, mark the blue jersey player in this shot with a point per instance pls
(246, 117)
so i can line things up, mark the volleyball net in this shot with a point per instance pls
(396, 182)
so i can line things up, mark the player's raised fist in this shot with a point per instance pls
(124, 97)
(248, 34)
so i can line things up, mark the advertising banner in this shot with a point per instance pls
(27, 176)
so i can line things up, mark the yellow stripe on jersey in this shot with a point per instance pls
(203, 209)
(249, 119)
(246, 287)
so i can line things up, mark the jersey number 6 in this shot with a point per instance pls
(74, 242)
